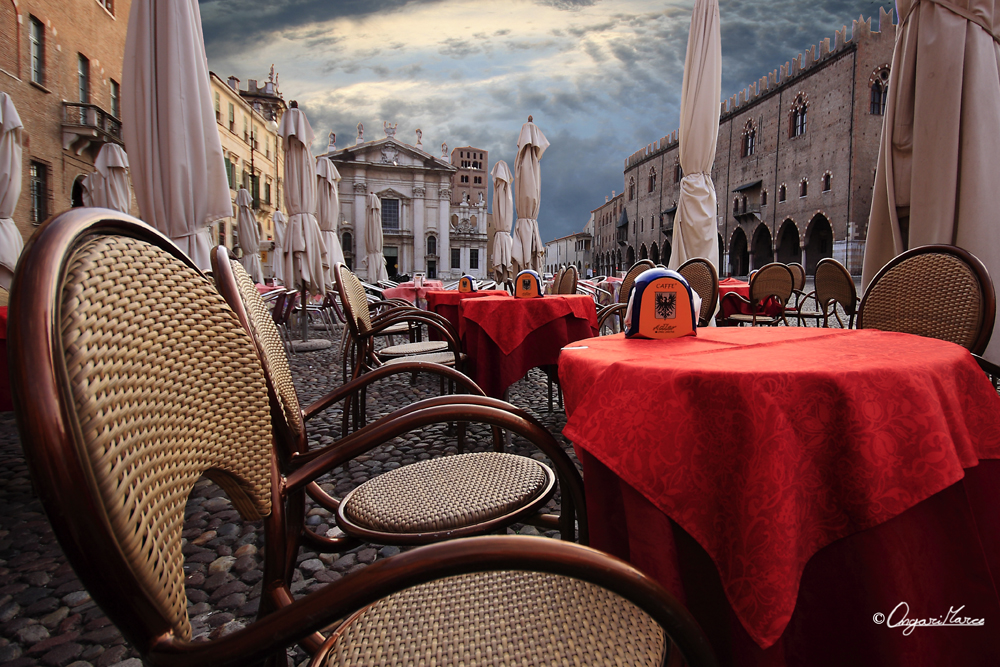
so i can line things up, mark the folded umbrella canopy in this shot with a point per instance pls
(328, 212)
(936, 179)
(10, 188)
(695, 229)
(278, 256)
(249, 236)
(527, 250)
(374, 259)
(108, 187)
(305, 253)
(503, 215)
(169, 125)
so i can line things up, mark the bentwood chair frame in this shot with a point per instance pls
(835, 286)
(115, 491)
(800, 297)
(774, 280)
(936, 291)
(625, 290)
(704, 279)
(238, 290)
(568, 281)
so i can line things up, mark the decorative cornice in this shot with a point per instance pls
(419, 191)
(361, 187)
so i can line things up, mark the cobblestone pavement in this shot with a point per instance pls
(47, 618)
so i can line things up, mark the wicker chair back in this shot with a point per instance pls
(704, 279)
(629, 279)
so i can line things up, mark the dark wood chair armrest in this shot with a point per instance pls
(992, 370)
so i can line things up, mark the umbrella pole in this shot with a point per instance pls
(305, 313)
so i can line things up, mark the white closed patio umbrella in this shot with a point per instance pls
(172, 139)
(11, 242)
(695, 229)
(527, 250)
(278, 255)
(328, 212)
(503, 216)
(248, 235)
(112, 168)
(936, 180)
(93, 190)
(305, 253)
(374, 259)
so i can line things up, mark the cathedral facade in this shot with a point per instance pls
(427, 225)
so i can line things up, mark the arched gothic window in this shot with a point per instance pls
(797, 117)
(652, 178)
(749, 139)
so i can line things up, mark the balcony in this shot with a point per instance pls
(748, 213)
(84, 124)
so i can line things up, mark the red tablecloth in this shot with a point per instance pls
(415, 295)
(445, 303)
(506, 337)
(726, 306)
(765, 445)
(264, 289)
(6, 403)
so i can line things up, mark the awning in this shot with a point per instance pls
(623, 220)
(747, 186)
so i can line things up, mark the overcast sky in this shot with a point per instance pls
(601, 77)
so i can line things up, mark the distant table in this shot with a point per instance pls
(612, 286)
(726, 306)
(505, 337)
(788, 483)
(6, 402)
(415, 295)
(445, 303)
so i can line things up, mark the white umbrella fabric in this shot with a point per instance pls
(374, 259)
(11, 242)
(695, 229)
(93, 190)
(112, 168)
(278, 255)
(305, 253)
(249, 235)
(503, 216)
(527, 250)
(936, 174)
(328, 212)
(169, 125)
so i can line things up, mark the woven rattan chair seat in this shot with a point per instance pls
(446, 358)
(761, 319)
(500, 618)
(395, 330)
(407, 349)
(447, 493)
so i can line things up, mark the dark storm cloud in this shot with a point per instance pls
(234, 26)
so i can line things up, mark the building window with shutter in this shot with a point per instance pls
(474, 258)
(83, 78)
(36, 34)
(38, 186)
(432, 245)
(456, 258)
(116, 96)
(390, 214)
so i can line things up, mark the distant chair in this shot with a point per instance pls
(704, 279)
(797, 310)
(774, 281)
(936, 291)
(611, 313)
(629, 279)
(568, 281)
(834, 285)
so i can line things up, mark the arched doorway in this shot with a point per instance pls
(654, 254)
(77, 193)
(762, 248)
(788, 243)
(618, 260)
(819, 242)
(722, 253)
(630, 257)
(643, 253)
(739, 254)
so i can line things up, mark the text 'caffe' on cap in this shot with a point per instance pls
(661, 306)
(527, 285)
(466, 284)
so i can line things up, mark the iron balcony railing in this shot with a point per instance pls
(93, 117)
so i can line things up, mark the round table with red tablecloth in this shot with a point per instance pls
(790, 483)
(445, 303)
(409, 292)
(505, 337)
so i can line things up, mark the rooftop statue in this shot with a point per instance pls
(390, 130)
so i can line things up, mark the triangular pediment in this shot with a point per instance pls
(390, 193)
(390, 152)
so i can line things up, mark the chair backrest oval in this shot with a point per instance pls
(835, 284)
(775, 280)
(570, 277)
(354, 299)
(629, 279)
(798, 275)
(704, 279)
(147, 382)
(936, 291)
